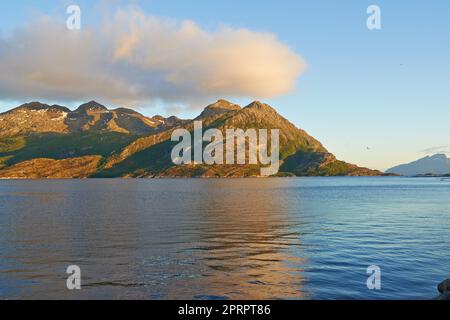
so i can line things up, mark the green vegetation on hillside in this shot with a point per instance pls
(61, 146)
(151, 160)
(336, 168)
(3, 161)
(11, 144)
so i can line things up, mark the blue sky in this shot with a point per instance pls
(374, 98)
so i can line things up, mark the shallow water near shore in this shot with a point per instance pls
(281, 238)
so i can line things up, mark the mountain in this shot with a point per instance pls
(42, 141)
(437, 164)
(217, 109)
(37, 117)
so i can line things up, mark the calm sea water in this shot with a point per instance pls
(305, 238)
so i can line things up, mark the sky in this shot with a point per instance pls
(376, 98)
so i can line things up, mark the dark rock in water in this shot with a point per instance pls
(444, 289)
(444, 286)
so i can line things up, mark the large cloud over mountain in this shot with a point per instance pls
(136, 58)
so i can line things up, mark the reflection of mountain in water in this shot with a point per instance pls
(175, 239)
(230, 238)
(246, 252)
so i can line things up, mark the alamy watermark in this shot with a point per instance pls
(374, 280)
(232, 148)
(374, 19)
(74, 280)
(73, 22)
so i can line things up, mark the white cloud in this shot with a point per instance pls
(137, 58)
(435, 150)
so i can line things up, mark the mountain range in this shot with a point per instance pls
(437, 164)
(51, 141)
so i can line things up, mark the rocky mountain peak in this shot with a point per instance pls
(435, 165)
(92, 106)
(439, 156)
(220, 107)
(224, 104)
(34, 106)
(260, 106)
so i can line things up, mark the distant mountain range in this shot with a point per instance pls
(437, 164)
(42, 141)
